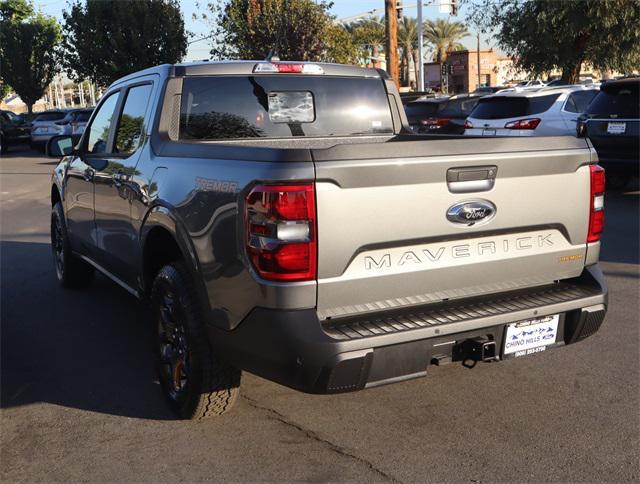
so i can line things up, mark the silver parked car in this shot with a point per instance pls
(75, 122)
(44, 127)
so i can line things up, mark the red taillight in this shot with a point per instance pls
(435, 121)
(468, 125)
(523, 124)
(281, 231)
(596, 214)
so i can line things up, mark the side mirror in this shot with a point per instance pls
(59, 146)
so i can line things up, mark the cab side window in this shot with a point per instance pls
(131, 129)
(99, 130)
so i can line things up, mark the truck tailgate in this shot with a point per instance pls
(384, 239)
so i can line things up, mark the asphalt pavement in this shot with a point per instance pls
(81, 402)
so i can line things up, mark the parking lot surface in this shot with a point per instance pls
(80, 399)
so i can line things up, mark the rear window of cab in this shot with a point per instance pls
(282, 106)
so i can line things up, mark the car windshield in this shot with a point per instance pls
(502, 107)
(269, 106)
(621, 100)
(52, 116)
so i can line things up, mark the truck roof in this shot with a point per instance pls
(245, 67)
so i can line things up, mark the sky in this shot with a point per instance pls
(342, 9)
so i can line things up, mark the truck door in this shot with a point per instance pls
(79, 189)
(116, 186)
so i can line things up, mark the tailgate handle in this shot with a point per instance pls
(471, 179)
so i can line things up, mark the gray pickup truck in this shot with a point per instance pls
(281, 219)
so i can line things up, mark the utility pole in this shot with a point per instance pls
(391, 44)
(478, 59)
(420, 49)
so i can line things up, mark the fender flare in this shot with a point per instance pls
(57, 180)
(163, 217)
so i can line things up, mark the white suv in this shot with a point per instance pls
(550, 111)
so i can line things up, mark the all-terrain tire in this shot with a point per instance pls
(71, 271)
(195, 381)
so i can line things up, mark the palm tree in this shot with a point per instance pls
(444, 36)
(408, 43)
(369, 34)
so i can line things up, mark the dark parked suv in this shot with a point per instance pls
(612, 123)
(442, 115)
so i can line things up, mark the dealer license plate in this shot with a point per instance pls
(531, 336)
(488, 132)
(616, 128)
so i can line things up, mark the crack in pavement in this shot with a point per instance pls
(275, 415)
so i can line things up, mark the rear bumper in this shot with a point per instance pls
(42, 139)
(295, 349)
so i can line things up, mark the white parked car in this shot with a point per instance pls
(551, 111)
(75, 122)
(44, 127)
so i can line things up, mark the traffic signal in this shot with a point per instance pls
(399, 9)
(443, 69)
(454, 7)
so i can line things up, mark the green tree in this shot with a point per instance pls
(293, 29)
(408, 44)
(368, 35)
(542, 35)
(106, 40)
(5, 89)
(28, 51)
(339, 44)
(444, 36)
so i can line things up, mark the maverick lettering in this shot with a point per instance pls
(460, 251)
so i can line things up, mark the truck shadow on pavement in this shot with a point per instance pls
(88, 349)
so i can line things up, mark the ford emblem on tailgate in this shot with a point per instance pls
(473, 212)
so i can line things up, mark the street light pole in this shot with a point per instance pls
(478, 59)
(420, 49)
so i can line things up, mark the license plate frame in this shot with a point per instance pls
(489, 132)
(616, 127)
(531, 336)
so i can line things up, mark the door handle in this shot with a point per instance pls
(87, 174)
(471, 179)
(119, 178)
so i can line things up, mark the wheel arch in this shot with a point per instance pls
(164, 240)
(56, 196)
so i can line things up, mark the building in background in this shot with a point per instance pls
(462, 70)
(507, 74)
(463, 75)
